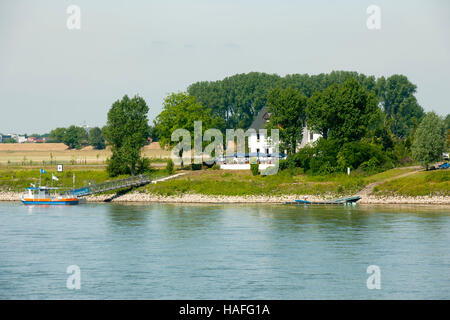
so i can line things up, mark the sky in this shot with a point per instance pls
(52, 76)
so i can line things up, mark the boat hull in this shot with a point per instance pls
(57, 202)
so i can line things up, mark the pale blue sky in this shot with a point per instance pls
(51, 76)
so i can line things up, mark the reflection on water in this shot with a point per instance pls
(176, 251)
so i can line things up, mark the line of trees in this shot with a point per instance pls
(77, 137)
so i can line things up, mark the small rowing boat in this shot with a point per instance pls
(347, 200)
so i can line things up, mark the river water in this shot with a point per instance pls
(179, 251)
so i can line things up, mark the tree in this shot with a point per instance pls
(127, 132)
(75, 137)
(180, 111)
(429, 140)
(396, 96)
(96, 138)
(287, 112)
(236, 99)
(447, 124)
(342, 112)
(57, 135)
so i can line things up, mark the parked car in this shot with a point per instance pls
(444, 166)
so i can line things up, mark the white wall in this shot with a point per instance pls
(261, 144)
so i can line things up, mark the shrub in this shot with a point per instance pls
(355, 153)
(196, 166)
(216, 166)
(254, 167)
(169, 167)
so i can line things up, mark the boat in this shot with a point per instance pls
(346, 200)
(43, 196)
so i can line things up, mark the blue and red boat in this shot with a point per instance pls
(43, 196)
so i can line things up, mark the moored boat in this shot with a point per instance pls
(43, 196)
(347, 200)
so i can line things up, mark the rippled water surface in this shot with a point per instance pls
(169, 251)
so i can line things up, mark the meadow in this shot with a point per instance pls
(42, 154)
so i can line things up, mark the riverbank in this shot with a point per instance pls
(199, 198)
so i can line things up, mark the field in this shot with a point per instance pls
(41, 154)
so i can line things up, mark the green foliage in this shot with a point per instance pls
(170, 167)
(180, 111)
(396, 96)
(287, 109)
(57, 135)
(429, 140)
(236, 99)
(342, 112)
(75, 137)
(9, 140)
(96, 138)
(254, 168)
(196, 166)
(127, 132)
(358, 153)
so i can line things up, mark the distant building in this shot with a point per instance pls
(36, 140)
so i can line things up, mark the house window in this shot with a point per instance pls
(257, 136)
(311, 136)
(257, 150)
(267, 151)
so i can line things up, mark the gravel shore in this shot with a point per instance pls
(198, 198)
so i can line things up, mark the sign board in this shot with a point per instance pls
(60, 168)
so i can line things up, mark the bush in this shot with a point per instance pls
(169, 167)
(254, 167)
(196, 166)
(216, 166)
(354, 154)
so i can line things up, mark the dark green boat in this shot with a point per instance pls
(347, 200)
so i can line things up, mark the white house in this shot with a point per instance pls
(258, 143)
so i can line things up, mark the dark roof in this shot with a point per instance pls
(259, 121)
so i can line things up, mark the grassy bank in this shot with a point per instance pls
(242, 183)
(428, 183)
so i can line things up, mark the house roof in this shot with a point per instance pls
(260, 121)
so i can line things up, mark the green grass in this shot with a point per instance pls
(242, 183)
(388, 174)
(427, 183)
(16, 179)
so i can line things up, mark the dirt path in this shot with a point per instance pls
(367, 190)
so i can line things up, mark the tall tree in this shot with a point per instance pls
(236, 99)
(287, 112)
(96, 138)
(342, 112)
(180, 111)
(396, 96)
(429, 140)
(127, 132)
